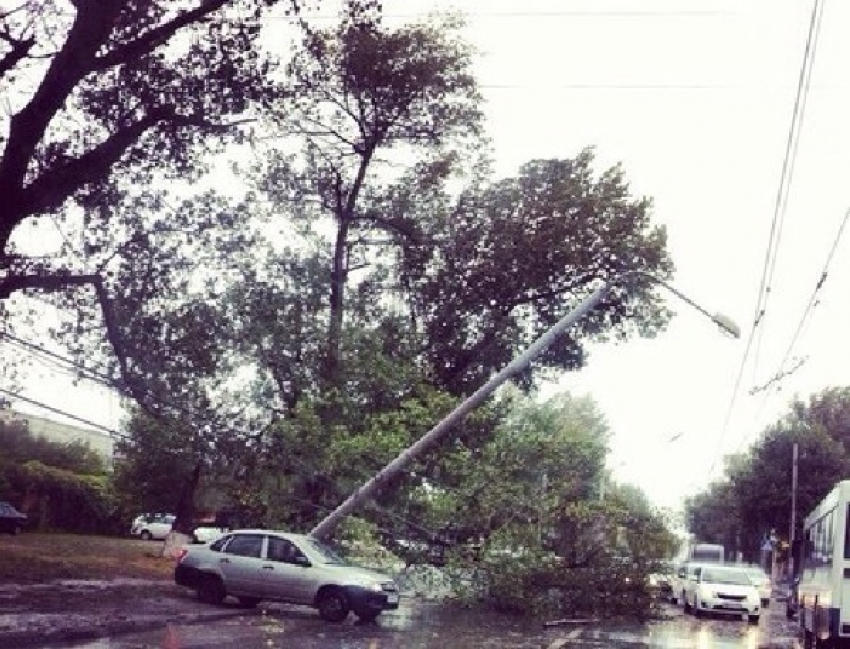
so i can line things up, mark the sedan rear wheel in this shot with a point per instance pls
(211, 590)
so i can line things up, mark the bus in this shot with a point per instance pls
(707, 553)
(820, 592)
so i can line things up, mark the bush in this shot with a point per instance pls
(58, 499)
(545, 585)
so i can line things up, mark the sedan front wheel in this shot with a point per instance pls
(333, 605)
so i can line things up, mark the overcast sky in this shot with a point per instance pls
(695, 100)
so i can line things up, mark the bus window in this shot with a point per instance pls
(847, 534)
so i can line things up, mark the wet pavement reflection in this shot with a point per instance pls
(421, 625)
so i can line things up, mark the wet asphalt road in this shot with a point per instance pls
(419, 625)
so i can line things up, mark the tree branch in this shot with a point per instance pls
(54, 186)
(153, 38)
(59, 281)
(20, 49)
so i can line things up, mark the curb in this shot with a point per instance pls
(40, 637)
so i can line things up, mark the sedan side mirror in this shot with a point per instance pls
(301, 560)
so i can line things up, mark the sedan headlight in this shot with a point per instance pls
(374, 586)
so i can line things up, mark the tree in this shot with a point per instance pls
(108, 99)
(515, 255)
(359, 92)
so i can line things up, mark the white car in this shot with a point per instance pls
(681, 576)
(207, 533)
(723, 589)
(152, 526)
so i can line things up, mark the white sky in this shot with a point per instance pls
(695, 100)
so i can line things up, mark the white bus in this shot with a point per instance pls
(821, 586)
(707, 553)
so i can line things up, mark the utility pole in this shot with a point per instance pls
(432, 437)
(791, 534)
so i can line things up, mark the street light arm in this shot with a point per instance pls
(396, 466)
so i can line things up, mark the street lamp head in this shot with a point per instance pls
(727, 324)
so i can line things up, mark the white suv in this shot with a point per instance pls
(254, 565)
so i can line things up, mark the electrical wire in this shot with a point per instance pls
(805, 319)
(788, 166)
(774, 236)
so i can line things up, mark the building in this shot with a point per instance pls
(55, 431)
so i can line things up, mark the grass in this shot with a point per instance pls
(36, 557)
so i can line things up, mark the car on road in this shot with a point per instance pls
(681, 576)
(722, 589)
(152, 526)
(255, 565)
(11, 520)
(762, 583)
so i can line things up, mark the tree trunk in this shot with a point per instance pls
(339, 278)
(184, 524)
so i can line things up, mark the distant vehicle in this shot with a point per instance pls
(821, 561)
(152, 526)
(11, 520)
(707, 553)
(684, 575)
(762, 583)
(255, 565)
(207, 533)
(722, 589)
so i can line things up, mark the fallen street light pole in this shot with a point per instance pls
(408, 455)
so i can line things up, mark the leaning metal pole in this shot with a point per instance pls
(370, 487)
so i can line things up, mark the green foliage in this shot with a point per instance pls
(154, 463)
(542, 455)
(598, 560)
(515, 255)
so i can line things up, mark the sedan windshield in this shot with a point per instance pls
(327, 555)
(757, 575)
(727, 577)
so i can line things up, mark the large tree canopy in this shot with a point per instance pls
(107, 100)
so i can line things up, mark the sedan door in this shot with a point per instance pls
(241, 564)
(287, 573)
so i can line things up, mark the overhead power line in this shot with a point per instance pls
(792, 145)
(813, 299)
(784, 370)
(775, 235)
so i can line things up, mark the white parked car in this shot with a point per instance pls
(152, 526)
(207, 533)
(722, 589)
(255, 565)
